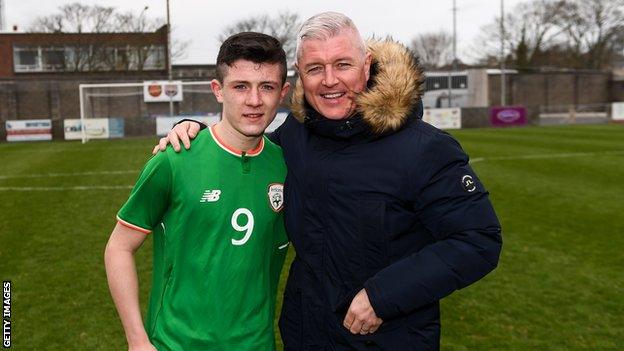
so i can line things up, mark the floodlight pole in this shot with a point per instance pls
(142, 18)
(2, 18)
(453, 67)
(502, 53)
(454, 38)
(169, 73)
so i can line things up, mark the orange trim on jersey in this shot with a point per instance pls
(132, 226)
(254, 152)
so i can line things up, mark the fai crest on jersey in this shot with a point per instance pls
(276, 196)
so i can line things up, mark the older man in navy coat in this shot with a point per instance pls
(384, 212)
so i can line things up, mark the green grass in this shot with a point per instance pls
(557, 190)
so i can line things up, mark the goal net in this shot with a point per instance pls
(113, 110)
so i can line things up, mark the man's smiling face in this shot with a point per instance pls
(333, 71)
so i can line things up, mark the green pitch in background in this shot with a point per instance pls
(557, 190)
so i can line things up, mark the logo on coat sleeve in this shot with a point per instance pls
(276, 196)
(468, 183)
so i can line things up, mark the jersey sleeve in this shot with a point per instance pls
(149, 198)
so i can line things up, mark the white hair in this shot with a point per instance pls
(327, 25)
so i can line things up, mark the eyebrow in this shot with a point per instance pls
(248, 82)
(344, 58)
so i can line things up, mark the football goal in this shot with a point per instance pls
(112, 110)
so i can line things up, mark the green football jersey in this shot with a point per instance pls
(219, 244)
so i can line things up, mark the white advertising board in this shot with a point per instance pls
(162, 91)
(96, 128)
(617, 111)
(443, 118)
(29, 129)
(164, 124)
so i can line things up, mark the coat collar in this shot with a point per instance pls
(394, 90)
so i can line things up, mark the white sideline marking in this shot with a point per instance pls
(538, 156)
(65, 188)
(75, 174)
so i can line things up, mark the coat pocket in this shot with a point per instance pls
(373, 245)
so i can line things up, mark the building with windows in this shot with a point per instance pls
(437, 89)
(34, 54)
(40, 72)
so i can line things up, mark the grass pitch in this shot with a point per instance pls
(557, 190)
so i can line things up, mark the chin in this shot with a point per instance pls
(253, 132)
(333, 114)
(336, 112)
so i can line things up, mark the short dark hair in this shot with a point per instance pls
(250, 46)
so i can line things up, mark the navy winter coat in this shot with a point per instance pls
(381, 201)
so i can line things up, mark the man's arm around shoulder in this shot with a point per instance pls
(183, 131)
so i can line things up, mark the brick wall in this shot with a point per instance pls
(59, 100)
(552, 88)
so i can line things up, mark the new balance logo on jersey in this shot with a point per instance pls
(276, 196)
(210, 196)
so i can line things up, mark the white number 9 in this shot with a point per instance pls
(247, 228)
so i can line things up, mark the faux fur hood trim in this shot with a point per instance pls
(394, 88)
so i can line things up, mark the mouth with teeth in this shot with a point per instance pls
(331, 96)
(253, 115)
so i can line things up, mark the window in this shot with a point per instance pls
(26, 59)
(77, 58)
(155, 59)
(436, 83)
(441, 82)
(88, 58)
(53, 59)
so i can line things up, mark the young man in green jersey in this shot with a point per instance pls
(219, 239)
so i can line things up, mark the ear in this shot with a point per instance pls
(217, 89)
(367, 64)
(284, 92)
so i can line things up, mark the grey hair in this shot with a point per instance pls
(326, 25)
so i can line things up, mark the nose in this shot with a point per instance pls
(329, 80)
(253, 98)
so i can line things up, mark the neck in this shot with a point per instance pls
(234, 139)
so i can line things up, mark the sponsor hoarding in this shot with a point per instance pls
(162, 91)
(29, 129)
(164, 124)
(443, 118)
(617, 111)
(96, 128)
(502, 116)
(116, 127)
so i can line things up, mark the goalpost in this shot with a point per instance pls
(106, 108)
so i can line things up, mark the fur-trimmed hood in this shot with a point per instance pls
(394, 88)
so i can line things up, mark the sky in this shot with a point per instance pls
(200, 22)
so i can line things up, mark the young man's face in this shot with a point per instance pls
(250, 94)
(333, 72)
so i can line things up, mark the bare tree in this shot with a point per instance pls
(283, 26)
(79, 18)
(530, 29)
(593, 30)
(434, 49)
(566, 33)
